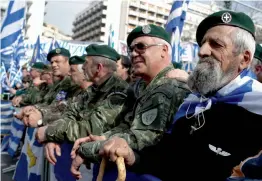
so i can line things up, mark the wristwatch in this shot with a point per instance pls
(40, 123)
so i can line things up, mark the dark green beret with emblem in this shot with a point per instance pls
(39, 66)
(102, 51)
(258, 52)
(75, 60)
(148, 30)
(58, 51)
(230, 18)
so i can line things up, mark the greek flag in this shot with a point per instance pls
(38, 55)
(11, 28)
(15, 75)
(242, 91)
(111, 42)
(3, 78)
(174, 25)
(6, 117)
(30, 165)
(53, 45)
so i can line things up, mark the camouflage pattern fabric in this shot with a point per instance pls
(151, 116)
(56, 108)
(95, 113)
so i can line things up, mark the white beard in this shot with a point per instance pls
(208, 76)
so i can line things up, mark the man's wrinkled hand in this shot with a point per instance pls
(31, 117)
(79, 141)
(76, 163)
(40, 134)
(52, 149)
(178, 74)
(117, 147)
(16, 100)
(22, 112)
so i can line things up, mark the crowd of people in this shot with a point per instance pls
(161, 120)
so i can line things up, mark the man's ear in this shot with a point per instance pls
(164, 51)
(245, 60)
(99, 67)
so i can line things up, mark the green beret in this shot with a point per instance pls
(229, 18)
(75, 60)
(39, 66)
(148, 30)
(102, 51)
(258, 52)
(58, 51)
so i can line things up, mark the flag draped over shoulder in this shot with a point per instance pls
(242, 91)
(174, 25)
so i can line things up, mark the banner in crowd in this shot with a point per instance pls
(30, 164)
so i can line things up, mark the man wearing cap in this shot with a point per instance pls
(256, 65)
(159, 98)
(53, 112)
(30, 97)
(96, 111)
(218, 125)
(60, 91)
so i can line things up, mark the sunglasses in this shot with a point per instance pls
(140, 48)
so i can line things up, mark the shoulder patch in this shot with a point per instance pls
(149, 116)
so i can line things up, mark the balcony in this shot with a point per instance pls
(103, 21)
(145, 7)
(161, 20)
(134, 13)
(143, 15)
(152, 9)
(141, 23)
(151, 17)
(133, 22)
(134, 4)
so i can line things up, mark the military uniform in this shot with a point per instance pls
(64, 97)
(151, 116)
(34, 94)
(95, 113)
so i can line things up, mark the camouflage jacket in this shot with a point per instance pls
(63, 87)
(150, 115)
(56, 108)
(95, 113)
(34, 94)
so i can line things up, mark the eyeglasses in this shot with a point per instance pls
(140, 48)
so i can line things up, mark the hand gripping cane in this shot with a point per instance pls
(120, 168)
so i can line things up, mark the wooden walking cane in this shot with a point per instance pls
(120, 163)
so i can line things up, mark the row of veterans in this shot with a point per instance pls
(203, 128)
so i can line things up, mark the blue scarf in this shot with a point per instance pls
(242, 91)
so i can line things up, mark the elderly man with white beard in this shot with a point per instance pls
(220, 123)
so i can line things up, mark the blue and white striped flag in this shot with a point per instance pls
(174, 25)
(111, 42)
(11, 28)
(3, 78)
(15, 75)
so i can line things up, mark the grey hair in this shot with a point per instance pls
(108, 63)
(80, 68)
(243, 40)
(159, 40)
(255, 62)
